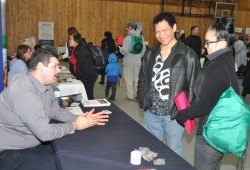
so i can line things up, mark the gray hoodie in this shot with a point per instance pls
(129, 59)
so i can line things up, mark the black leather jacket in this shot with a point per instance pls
(184, 70)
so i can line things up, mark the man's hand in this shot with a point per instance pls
(89, 119)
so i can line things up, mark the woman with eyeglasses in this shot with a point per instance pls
(217, 75)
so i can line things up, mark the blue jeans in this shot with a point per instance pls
(160, 125)
(206, 157)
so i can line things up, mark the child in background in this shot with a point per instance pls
(113, 71)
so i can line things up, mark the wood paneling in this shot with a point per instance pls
(244, 5)
(92, 18)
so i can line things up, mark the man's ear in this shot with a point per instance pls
(40, 67)
(175, 27)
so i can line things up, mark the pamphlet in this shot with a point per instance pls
(96, 103)
(75, 110)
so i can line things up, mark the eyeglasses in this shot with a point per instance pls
(209, 42)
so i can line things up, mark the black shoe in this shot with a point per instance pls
(101, 82)
(111, 98)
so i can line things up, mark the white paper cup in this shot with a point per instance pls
(135, 157)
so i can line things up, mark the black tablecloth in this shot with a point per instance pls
(108, 147)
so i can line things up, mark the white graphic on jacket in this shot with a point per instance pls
(161, 78)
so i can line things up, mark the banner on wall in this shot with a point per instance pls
(46, 33)
(247, 31)
(3, 44)
(237, 29)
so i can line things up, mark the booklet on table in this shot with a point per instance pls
(96, 103)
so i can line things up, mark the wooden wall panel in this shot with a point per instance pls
(243, 5)
(242, 20)
(92, 18)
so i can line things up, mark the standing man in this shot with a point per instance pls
(27, 106)
(167, 68)
(194, 40)
(133, 49)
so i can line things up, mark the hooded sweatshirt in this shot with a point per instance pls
(129, 59)
(113, 69)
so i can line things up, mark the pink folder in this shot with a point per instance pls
(181, 103)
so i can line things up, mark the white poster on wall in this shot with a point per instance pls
(46, 33)
(247, 31)
(237, 29)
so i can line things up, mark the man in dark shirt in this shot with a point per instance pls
(194, 40)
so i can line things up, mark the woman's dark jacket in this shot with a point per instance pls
(85, 67)
(184, 70)
(217, 76)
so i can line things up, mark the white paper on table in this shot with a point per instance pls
(96, 103)
(75, 110)
(74, 104)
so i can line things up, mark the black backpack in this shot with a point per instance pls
(136, 45)
(99, 56)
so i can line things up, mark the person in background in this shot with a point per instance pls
(246, 80)
(176, 35)
(194, 40)
(29, 43)
(18, 64)
(27, 107)
(182, 37)
(119, 43)
(247, 42)
(109, 46)
(113, 72)
(167, 68)
(131, 61)
(217, 76)
(84, 69)
(68, 50)
(240, 56)
(37, 46)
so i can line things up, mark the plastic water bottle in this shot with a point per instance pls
(57, 95)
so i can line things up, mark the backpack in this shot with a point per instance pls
(99, 56)
(136, 44)
(227, 126)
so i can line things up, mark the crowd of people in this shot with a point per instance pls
(153, 76)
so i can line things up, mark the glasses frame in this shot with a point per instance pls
(209, 42)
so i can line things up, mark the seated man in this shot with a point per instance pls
(26, 108)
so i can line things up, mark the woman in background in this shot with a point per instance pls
(217, 76)
(18, 64)
(85, 69)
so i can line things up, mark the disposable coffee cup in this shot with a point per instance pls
(135, 157)
(65, 101)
